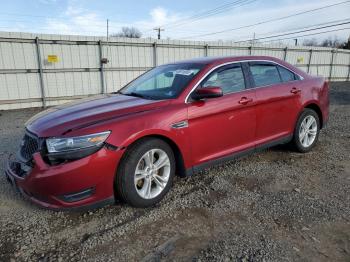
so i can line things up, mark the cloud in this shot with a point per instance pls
(159, 15)
(76, 20)
(74, 10)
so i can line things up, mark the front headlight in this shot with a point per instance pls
(58, 145)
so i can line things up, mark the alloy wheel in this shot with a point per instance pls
(152, 173)
(308, 131)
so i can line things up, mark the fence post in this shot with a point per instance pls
(155, 54)
(331, 65)
(206, 47)
(41, 78)
(309, 63)
(285, 53)
(101, 68)
(349, 69)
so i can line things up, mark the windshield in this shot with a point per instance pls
(163, 82)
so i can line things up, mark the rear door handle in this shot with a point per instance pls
(294, 90)
(244, 100)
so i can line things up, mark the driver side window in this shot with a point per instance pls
(230, 79)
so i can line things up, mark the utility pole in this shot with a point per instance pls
(296, 41)
(158, 29)
(107, 29)
(253, 41)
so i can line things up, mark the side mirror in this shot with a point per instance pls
(207, 92)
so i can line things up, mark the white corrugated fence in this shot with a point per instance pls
(46, 70)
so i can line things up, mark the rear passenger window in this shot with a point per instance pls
(265, 74)
(230, 79)
(286, 75)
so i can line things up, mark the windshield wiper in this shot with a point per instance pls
(138, 95)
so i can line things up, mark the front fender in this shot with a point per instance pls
(177, 138)
(159, 124)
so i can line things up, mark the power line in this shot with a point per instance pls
(200, 15)
(221, 10)
(308, 26)
(299, 36)
(191, 17)
(301, 28)
(267, 21)
(301, 31)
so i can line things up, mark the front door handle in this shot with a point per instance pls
(295, 91)
(244, 100)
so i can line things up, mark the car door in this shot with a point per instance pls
(277, 100)
(224, 125)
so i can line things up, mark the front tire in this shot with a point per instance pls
(146, 172)
(306, 131)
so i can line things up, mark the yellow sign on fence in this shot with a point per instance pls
(52, 58)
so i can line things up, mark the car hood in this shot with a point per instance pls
(59, 120)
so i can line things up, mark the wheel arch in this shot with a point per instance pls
(180, 168)
(317, 109)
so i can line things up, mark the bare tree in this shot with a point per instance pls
(346, 45)
(310, 42)
(130, 32)
(331, 42)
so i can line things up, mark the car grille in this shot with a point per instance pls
(29, 145)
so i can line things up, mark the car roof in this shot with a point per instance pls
(217, 60)
(223, 59)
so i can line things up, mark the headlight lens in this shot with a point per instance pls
(55, 145)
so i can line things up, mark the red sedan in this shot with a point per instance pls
(174, 119)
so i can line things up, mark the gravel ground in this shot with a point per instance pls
(271, 206)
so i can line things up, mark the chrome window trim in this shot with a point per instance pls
(278, 83)
(236, 62)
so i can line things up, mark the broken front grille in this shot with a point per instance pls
(29, 145)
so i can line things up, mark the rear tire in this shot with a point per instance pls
(145, 173)
(306, 131)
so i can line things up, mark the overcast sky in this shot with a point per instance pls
(88, 17)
